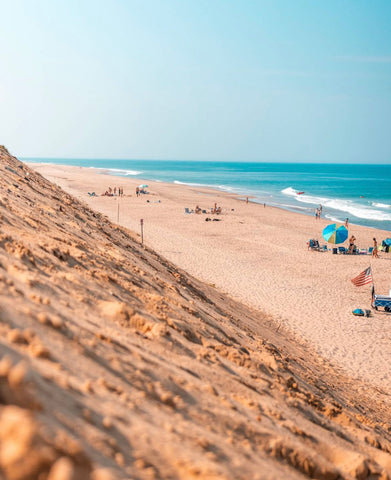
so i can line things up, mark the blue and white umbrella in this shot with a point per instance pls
(335, 233)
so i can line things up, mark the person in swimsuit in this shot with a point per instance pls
(351, 243)
(374, 251)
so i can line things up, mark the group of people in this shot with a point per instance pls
(215, 209)
(353, 249)
(140, 191)
(110, 192)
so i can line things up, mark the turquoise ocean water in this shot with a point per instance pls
(360, 192)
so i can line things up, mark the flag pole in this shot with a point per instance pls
(373, 283)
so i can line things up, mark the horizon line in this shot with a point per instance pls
(209, 160)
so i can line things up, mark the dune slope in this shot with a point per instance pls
(116, 364)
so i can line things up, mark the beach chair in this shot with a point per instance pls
(313, 245)
(370, 250)
(382, 301)
(342, 250)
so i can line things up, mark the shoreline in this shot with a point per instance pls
(307, 211)
(258, 256)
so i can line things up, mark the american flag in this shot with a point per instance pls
(363, 278)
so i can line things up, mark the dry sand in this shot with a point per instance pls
(259, 256)
(115, 363)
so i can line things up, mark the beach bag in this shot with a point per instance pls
(361, 313)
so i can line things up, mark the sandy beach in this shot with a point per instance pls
(258, 256)
(118, 364)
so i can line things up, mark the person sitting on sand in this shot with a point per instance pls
(351, 243)
(218, 210)
(197, 209)
(374, 251)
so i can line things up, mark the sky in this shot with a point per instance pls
(278, 80)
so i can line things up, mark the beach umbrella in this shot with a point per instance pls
(335, 233)
(143, 185)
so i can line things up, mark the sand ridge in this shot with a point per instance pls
(117, 364)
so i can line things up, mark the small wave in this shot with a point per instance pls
(380, 205)
(333, 219)
(346, 206)
(290, 191)
(177, 182)
(119, 171)
(358, 211)
(225, 188)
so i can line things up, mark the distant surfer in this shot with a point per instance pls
(300, 193)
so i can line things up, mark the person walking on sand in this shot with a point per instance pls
(374, 251)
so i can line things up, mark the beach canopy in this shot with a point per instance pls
(335, 233)
(143, 185)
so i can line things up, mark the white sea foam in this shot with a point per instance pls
(333, 219)
(177, 182)
(289, 191)
(119, 171)
(380, 205)
(347, 206)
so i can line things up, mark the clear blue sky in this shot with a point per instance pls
(278, 80)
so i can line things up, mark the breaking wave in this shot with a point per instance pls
(349, 207)
(380, 205)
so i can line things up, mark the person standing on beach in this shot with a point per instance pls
(346, 223)
(374, 251)
(320, 210)
(137, 191)
(316, 214)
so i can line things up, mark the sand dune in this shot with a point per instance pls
(117, 364)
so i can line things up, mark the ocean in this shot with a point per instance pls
(361, 193)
